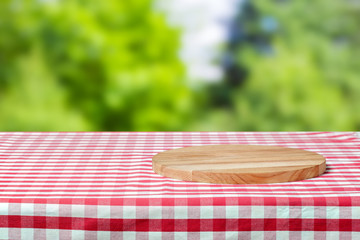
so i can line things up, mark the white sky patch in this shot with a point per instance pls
(205, 30)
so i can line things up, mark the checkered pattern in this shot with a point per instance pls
(86, 185)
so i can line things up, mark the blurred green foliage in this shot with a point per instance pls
(76, 65)
(302, 62)
(89, 65)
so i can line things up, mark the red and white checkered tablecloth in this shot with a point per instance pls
(100, 185)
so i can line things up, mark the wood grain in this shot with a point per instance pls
(239, 164)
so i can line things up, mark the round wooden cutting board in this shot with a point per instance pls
(239, 164)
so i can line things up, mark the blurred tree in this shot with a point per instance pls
(298, 64)
(89, 65)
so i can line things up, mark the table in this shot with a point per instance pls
(100, 185)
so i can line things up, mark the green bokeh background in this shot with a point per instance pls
(75, 65)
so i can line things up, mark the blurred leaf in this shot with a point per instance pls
(307, 80)
(114, 63)
(36, 102)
